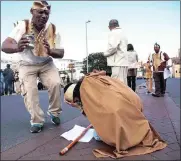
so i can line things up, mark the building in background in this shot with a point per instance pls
(176, 70)
(11, 62)
(176, 67)
(63, 64)
(140, 70)
(64, 68)
(78, 69)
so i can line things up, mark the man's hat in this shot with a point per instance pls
(113, 23)
(41, 5)
(68, 95)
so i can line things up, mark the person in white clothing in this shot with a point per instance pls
(167, 72)
(116, 52)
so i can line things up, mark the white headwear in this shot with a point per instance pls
(68, 95)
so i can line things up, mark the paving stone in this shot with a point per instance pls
(163, 156)
(170, 138)
(174, 154)
(163, 129)
(174, 146)
(140, 157)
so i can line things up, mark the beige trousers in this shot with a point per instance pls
(17, 87)
(149, 84)
(49, 77)
(120, 73)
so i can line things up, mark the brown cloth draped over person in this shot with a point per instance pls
(115, 111)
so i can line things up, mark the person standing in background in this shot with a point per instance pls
(159, 61)
(132, 70)
(17, 83)
(35, 41)
(8, 79)
(116, 52)
(1, 83)
(167, 73)
(148, 76)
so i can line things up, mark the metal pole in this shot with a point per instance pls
(71, 75)
(86, 46)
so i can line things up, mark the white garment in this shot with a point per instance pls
(132, 59)
(167, 73)
(27, 55)
(116, 52)
(120, 73)
(169, 63)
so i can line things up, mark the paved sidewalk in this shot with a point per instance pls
(162, 113)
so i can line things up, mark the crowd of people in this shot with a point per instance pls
(10, 83)
(123, 60)
(156, 68)
(104, 100)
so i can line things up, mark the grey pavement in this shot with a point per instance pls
(15, 119)
(161, 112)
(173, 89)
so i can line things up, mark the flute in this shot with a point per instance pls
(66, 149)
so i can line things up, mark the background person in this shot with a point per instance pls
(132, 70)
(116, 52)
(8, 79)
(37, 62)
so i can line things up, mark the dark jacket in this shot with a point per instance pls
(8, 75)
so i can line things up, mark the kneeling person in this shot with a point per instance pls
(115, 111)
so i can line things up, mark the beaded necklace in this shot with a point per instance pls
(39, 38)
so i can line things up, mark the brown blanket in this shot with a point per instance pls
(115, 111)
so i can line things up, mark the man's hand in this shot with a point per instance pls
(47, 46)
(11, 46)
(23, 43)
(55, 53)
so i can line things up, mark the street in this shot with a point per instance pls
(173, 89)
(15, 119)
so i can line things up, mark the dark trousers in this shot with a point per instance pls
(1, 88)
(13, 89)
(40, 86)
(132, 82)
(165, 84)
(159, 83)
(8, 87)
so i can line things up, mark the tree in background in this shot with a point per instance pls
(96, 61)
